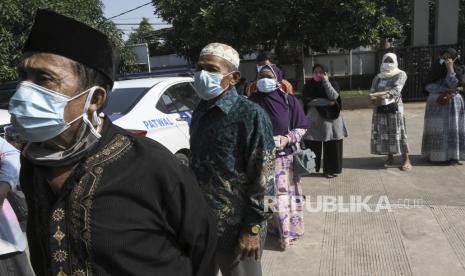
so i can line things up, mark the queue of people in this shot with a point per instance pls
(96, 208)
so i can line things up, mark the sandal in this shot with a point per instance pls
(389, 162)
(330, 175)
(406, 167)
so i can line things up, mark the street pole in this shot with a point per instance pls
(303, 63)
(148, 58)
(350, 69)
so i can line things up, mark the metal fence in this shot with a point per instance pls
(416, 62)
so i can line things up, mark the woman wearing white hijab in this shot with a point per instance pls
(389, 134)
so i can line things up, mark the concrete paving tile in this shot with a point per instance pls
(425, 243)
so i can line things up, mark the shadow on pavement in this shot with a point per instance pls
(365, 163)
(272, 243)
(377, 162)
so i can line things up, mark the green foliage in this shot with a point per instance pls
(249, 25)
(156, 40)
(144, 34)
(16, 18)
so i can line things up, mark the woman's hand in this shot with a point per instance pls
(376, 101)
(284, 142)
(325, 76)
(450, 65)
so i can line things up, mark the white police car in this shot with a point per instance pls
(158, 107)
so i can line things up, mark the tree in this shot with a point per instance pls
(250, 25)
(16, 17)
(144, 34)
(155, 39)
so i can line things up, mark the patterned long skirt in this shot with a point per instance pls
(444, 130)
(288, 221)
(389, 133)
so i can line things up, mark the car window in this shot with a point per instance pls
(6, 91)
(122, 100)
(178, 98)
(166, 104)
(5, 97)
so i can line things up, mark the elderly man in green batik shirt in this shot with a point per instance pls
(232, 156)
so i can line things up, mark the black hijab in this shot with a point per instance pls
(314, 89)
(438, 71)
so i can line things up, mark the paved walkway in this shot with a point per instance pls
(423, 235)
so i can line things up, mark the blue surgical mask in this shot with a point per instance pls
(208, 84)
(266, 85)
(37, 112)
(441, 61)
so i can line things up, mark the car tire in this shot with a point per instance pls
(183, 158)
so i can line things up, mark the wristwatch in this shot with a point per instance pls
(255, 230)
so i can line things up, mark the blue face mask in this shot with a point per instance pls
(266, 85)
(208, 84)
(37, 112)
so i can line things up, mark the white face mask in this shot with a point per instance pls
(266, 85)
(386, 67)
(259, 68)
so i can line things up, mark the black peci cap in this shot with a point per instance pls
(57, 34)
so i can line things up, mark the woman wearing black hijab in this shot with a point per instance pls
(444, 130)
(326, 129)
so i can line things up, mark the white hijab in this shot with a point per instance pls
(391, 72)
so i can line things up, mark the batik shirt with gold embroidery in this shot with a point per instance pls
(130, 208)
(232, 157)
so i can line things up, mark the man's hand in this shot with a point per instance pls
(4, 189)
(249, 245)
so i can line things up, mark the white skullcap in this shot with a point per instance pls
(223, 51)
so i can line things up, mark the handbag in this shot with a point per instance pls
(19, 206)
(445, 97)
(390, 108)
(303, 159)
